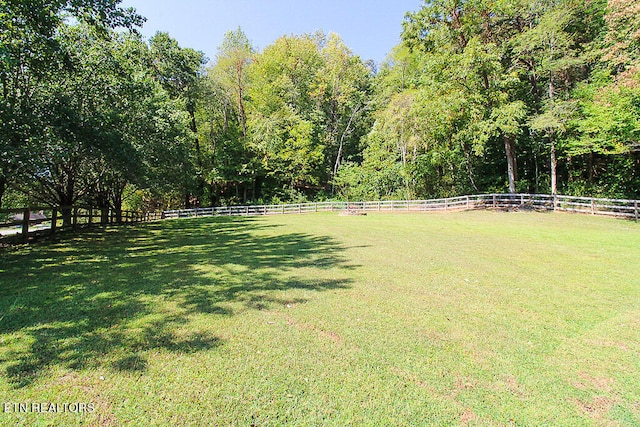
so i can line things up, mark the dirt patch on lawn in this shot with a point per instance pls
(587, 382)
(597, 408)
(330, 335)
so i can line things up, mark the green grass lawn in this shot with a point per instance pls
(469, 318)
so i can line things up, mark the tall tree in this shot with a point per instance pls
(605, 145)
(180, 72)
(283, 131)
(342, 90)
(465, 63)
(234, 56)
(232, 170)
(29, 54)
(553, 48)
(84, 151)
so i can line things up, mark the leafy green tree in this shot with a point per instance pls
(231, 167)
(180, 72)
(605, 143)
(342, 90)
(29, 55)
(554, 48)
(232, 61)
(83, 151)
(464, 65)
(282, 127)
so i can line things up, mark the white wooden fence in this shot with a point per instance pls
(18, 225)
(20, 229)
(587, 205)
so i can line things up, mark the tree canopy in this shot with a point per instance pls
(479, 96)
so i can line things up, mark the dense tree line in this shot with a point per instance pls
(513, 96)
(526, 96)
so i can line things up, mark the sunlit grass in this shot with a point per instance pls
(478, 318)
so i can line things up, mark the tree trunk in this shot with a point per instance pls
(554, 167)
(118, 213)
(213, 194)
(535, 159)
(194, 128)
(66, 199)
(510, 150)
(554, 159)
(104, 215)
(3, 187)
(347, 129)
(116, 201)
(242, 117)
(67, 215)
(104, 212)
(469, 166)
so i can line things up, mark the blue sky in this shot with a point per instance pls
(369, 27)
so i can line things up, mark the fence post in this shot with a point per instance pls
(593, 210)
(446, 204)
(468, 203)
(26, 214)
(392, 206)
(635, 208)
(494, 201)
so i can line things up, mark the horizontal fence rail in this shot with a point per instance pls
(587, 205)
(18, 225)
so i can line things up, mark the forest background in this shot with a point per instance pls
(535, 96)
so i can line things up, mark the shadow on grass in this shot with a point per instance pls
(104, 298)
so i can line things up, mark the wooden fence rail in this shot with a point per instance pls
(21, 224)
(587, 205)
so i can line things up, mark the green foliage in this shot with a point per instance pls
(308, 110)
(31, 54)
(474, 81)
(480, 96)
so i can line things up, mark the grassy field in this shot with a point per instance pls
(470, 318)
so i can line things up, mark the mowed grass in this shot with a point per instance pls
(469, 318)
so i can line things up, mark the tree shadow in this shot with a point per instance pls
(105, 297)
